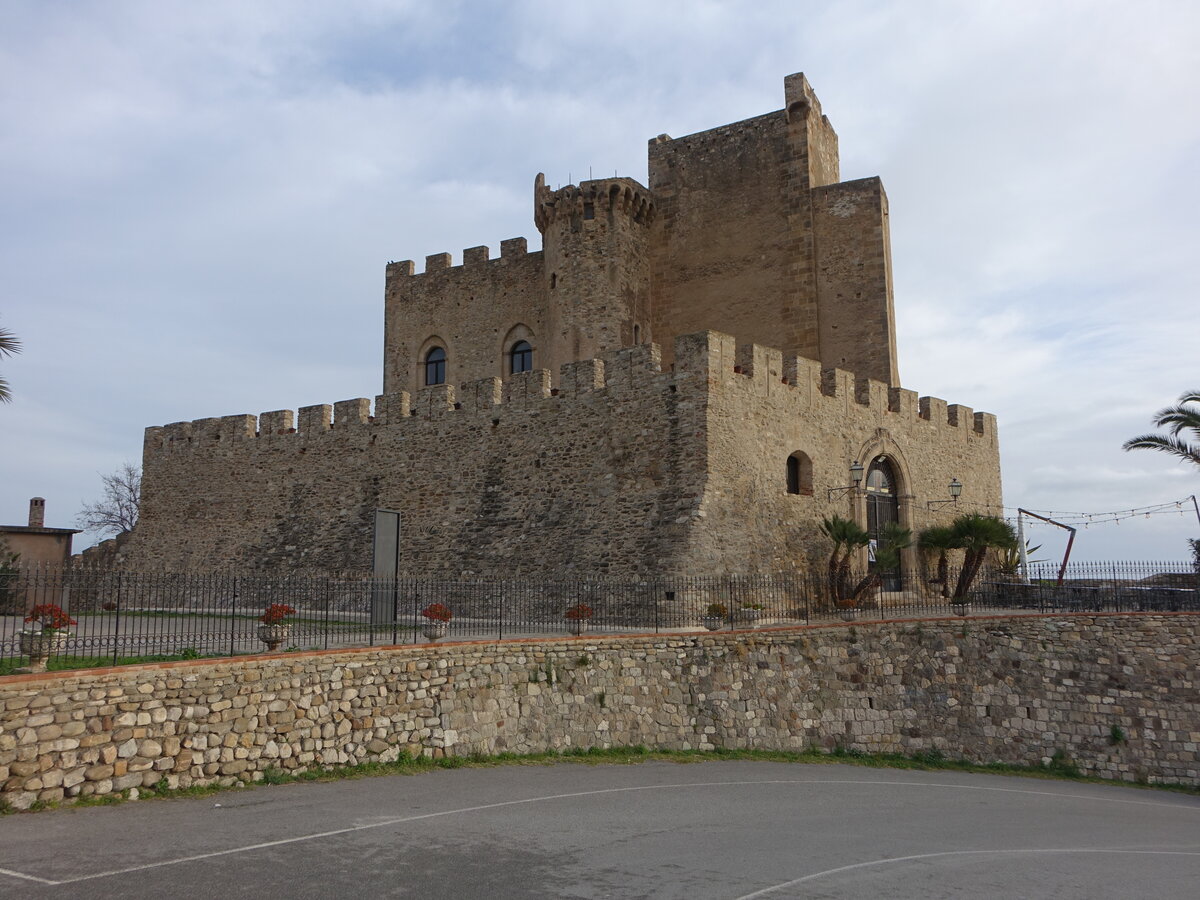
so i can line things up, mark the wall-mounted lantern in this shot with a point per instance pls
(856, 477)
(955, 492)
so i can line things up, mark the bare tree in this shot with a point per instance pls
(8, 346)
(118, 511)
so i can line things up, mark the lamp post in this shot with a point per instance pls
(955, 492)
(856, 476)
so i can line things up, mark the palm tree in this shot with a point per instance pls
(977, 534)
(1176, 419)
(8, 346)
(940, 538)
(847, 536)
(895, 538)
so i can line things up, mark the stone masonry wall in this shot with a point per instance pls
(857, 320)
(723, 249)
(475, 311)
(623, 470)
(763, 407)
(1016, 689)
(489, 479)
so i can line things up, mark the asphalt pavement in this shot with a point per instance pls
(714, 829)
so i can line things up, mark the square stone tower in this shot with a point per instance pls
(744, 229)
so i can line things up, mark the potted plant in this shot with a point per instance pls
(714, 616)
(273, 630)
(437, 621)
(47, 635)
(577, 617)
(750, 612)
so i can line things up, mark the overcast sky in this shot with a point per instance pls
(198, 201)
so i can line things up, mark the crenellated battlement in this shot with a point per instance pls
(766, 372)
(708, 360)
(472, 257)
(620, 195)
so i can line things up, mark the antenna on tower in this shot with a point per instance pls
(589, 173)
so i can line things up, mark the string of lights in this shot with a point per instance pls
(1181, 507)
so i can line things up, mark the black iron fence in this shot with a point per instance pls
(129, 616)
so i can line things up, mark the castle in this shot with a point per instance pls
(684, 380)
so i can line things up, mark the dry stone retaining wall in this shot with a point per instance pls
(1014, 689)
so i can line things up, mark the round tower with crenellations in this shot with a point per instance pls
(596, 243)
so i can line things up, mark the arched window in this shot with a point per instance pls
(435, 366)
(520, 358)
(799, 474)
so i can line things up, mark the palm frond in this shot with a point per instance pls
(1165, 444)
(8, 343)
(1178, 418)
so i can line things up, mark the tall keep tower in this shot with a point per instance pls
(596, 238)
(744, 229)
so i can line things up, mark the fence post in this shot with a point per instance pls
(117, 623)
(233, 620)
(328, 592)
(500, 624)
(1116, 590)
(395, 609)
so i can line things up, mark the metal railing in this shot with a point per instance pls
(135, 616)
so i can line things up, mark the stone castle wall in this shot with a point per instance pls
(764, 407)
(492, 478)
(622, 470)
(1116, 695)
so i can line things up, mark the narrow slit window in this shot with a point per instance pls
(589, 210)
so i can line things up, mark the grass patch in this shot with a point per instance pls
(1060, 768)
(63, 663)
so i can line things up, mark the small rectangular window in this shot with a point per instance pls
(589, 210)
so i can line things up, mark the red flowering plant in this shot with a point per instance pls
(48, 618)
(276, 613)
(579, 612)
(436, 612)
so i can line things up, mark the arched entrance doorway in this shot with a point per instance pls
(883, 506)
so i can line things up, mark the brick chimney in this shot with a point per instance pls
(37, 512)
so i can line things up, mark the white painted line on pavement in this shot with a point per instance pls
(249, 848)
(899, 859)
(26, 877)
